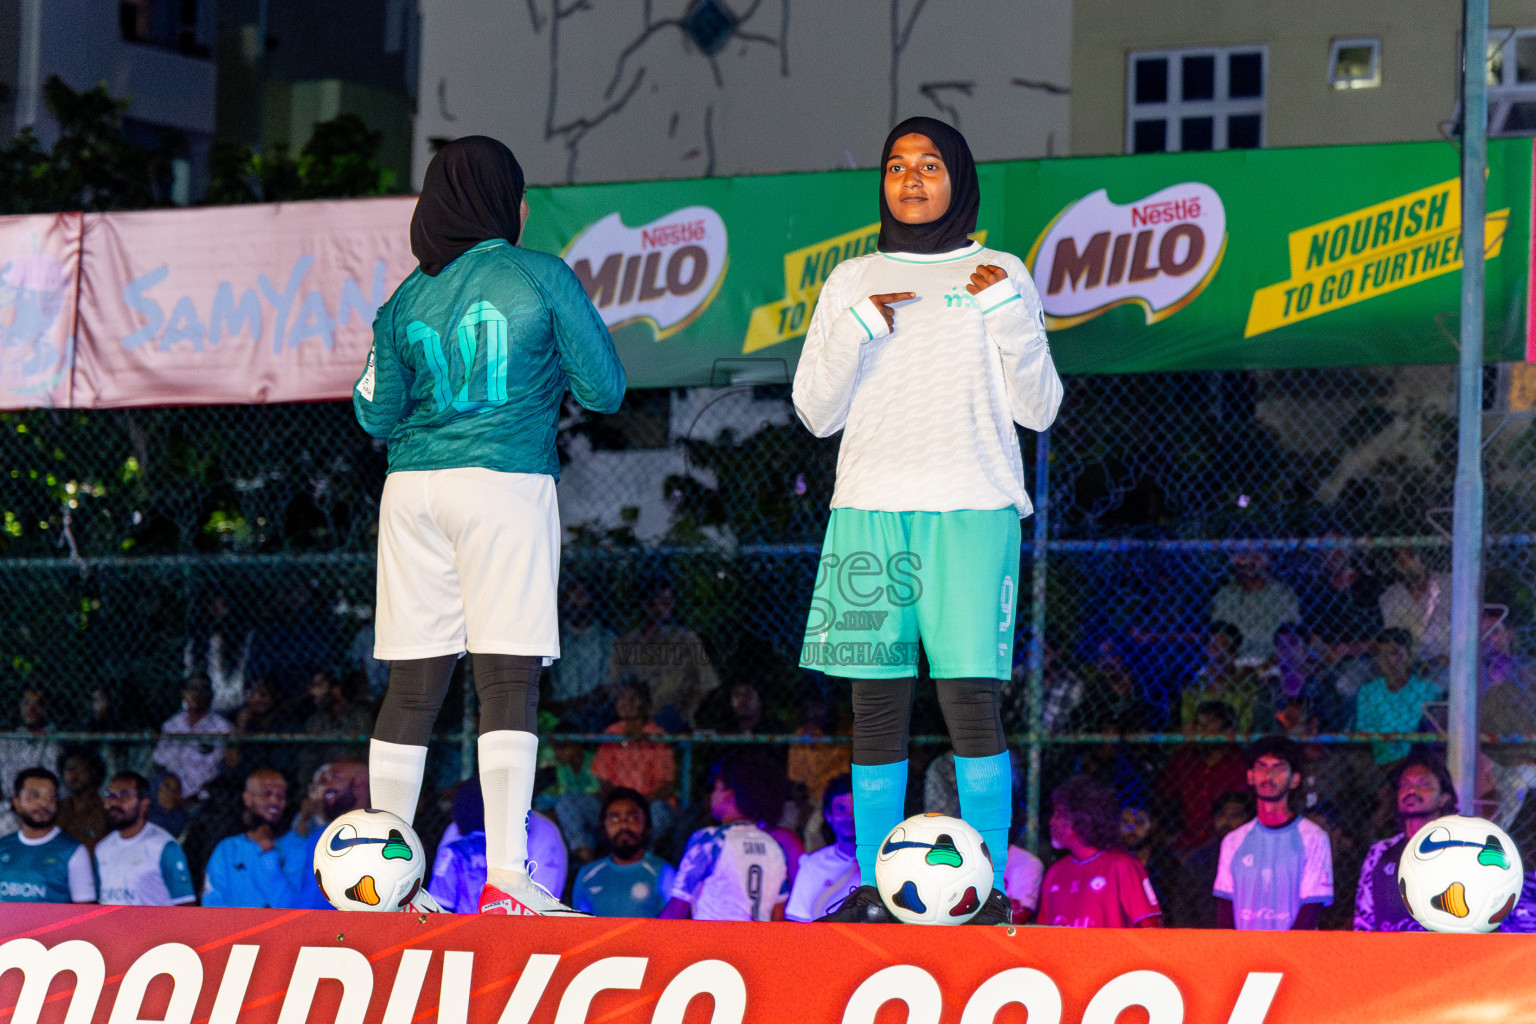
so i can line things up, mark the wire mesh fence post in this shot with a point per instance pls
(1037, 569)
(1467, 542)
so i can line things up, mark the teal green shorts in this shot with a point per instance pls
(889, 580)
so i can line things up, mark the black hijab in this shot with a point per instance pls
(950, 231)
(472, 192)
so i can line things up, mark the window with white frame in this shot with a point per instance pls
(1354, 63)
(1183, 101)
(1512, 81)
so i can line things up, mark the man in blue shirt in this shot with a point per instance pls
(256, 867)
(40, 863)
(631, 881)
(1394, 701)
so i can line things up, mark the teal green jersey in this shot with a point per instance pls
(469, 368)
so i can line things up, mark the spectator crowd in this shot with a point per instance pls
(1290, 831)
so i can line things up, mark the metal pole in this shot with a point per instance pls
(1467, 530)
(1037, 640)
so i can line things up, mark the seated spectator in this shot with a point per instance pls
(630, 880)
(41, 863)
(139, 863)
(578, 678)
(260, 713)
(1424, 792)
(1142, 838)
(1114, 702)
(169, 807)
(575, 797)
(1222, 679)
(748, 717)
(1097, 884)
(1288, 676)
(195, 764)
(1393, 701)
(1198, 773)
(333, 712)
(1229, 810)
(460, 869)
(669, 659)
(733, 871)
(827, 876)
(103, 712)
(1342, 614)
(342, 786)
(1508, 687)
(813, 765)
(1256, 603)
(34, 746)
(81, 812)
(1276, 872)
(637, 763)
(257, 868)
(1022, 873)
(218, 651)
(777, 809)
(1420, 604)
(1062, 692)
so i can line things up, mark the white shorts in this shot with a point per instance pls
(469, 559)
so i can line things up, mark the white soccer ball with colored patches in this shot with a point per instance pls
(1460, 874)
(369, 860)
(933, 869)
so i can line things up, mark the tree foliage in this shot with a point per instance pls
(340, 160)
(95, 166)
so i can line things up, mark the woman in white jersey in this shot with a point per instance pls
(924, 354)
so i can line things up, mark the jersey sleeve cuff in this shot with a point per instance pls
(997, 296)
(869, 319)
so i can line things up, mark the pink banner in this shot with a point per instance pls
(235, 304)
(39, 282)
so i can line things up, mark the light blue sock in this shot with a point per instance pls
(879, 798)
(986, 792)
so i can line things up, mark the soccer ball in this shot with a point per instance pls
(369, 860)
(1460, 875)
(933, 869)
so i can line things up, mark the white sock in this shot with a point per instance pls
(508, 759)
(395, 771)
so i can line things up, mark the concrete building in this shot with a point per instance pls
(615, 90)
(158, 53)
(1173, 75)
(286, 65)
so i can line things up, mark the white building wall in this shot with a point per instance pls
(614, 90)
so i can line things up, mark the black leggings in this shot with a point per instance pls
(882, 717)
(508, 685)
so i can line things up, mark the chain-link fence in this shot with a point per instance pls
(1219, 557)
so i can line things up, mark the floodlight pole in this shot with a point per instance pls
(1467, 535)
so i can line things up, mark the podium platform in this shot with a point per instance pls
(116, 965)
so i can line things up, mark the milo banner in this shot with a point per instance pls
(1239, 259)
(115, 965)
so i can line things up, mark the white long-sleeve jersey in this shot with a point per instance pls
(927, 410)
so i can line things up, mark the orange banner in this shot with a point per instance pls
(194, 966)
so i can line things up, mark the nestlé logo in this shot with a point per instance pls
(1158, 252)
(666, 272)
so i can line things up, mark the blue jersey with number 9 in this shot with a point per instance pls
(468, 368)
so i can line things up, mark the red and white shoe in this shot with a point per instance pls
(518, 895)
